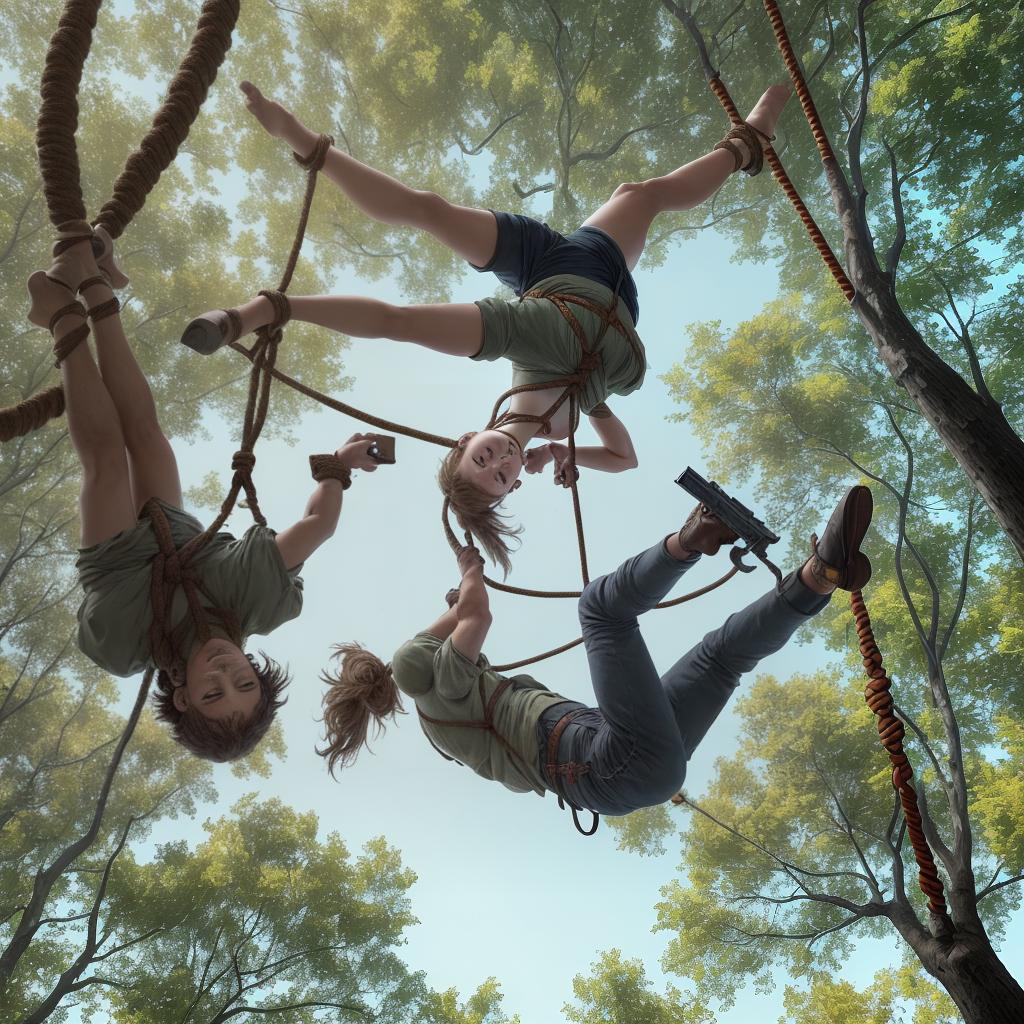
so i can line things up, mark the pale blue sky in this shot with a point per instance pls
(495, 869)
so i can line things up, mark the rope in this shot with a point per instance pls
(58, 154)
(891, 732)
(828, 257)
(700, 592)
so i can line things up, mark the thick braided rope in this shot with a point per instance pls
(803, 92)
(58, 155)
(171, 124)
(891, 732)
(33, 413)
(58, 111)
(821, 140)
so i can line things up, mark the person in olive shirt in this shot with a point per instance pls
(593, 263)
(217, 700)
(631, 750)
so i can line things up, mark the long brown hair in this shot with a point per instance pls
(361, 689)
(477, 511)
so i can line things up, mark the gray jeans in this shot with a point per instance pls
(645, 727)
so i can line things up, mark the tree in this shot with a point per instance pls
(798, 847)
(264, 918)
(619, 992)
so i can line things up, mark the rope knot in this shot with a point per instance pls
(173, 572)
(243, 462)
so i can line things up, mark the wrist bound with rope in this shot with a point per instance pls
(330, 467)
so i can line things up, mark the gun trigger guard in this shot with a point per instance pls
(736, 557)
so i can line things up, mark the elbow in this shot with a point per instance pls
(629, 461)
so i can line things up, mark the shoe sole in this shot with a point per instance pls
(203, 336)
(856, 520)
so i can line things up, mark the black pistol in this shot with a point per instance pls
(737, 517)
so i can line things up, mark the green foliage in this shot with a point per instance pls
(884, 1001)
(482, 1007)
(619, 992)
(264, 913)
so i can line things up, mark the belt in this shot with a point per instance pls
(571, 771)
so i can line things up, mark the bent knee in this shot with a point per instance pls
(637, 190)
(590, 606)
(665, 770)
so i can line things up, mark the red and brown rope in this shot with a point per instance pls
(891, 732)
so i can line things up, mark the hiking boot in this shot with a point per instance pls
(703, 531)
(836, 558)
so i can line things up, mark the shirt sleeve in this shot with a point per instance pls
(412, 664)
(252, 582)
(455, 674)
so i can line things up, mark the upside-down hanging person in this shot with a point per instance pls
(192, 618)
(631, 750)
(586, 274)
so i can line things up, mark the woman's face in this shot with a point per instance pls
(219, 681)
(492, 461)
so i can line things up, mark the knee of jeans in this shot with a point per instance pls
(666, 768)
(590, 605)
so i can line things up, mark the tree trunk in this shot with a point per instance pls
(964, 963)
(977, 980)
(972, 427)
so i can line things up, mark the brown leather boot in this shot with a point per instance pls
(836, 557)
(703, 531)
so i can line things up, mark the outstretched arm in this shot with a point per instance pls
(614, 455)
(323, 509)
(473, 609)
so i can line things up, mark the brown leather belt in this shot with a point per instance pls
(572, 770)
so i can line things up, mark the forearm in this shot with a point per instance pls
(317, 524)
(616, 452)
(474, 601)
(444, 626)
(604, 459)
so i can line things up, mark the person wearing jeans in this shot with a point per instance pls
(631, 750)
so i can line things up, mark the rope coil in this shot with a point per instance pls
(891, 732)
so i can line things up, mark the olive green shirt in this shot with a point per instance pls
(245, 576)
(541, 345)
(445, 684)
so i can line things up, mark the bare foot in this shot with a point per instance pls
(765, 115)
(47, 297)
(278, 121)
(105, 260)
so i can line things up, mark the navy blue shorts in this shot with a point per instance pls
(528, 251)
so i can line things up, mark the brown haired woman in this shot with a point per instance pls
(592, 266)
(631, 750)
(218, 701)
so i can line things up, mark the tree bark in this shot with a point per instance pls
(965, 965)
(971, 426)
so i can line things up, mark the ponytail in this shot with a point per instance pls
(364, 686)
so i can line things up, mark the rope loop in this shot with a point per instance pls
(315, 161)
